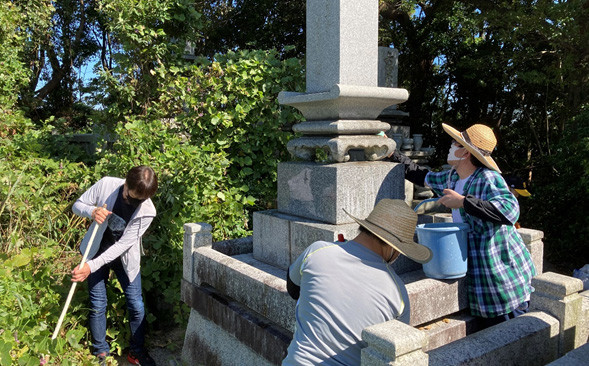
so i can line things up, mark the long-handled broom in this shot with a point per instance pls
(73, 288)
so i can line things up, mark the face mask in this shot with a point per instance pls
(130, 200)
(452, 154)
(134, 201)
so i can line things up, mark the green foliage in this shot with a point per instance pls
(213, 132)
(216, 158)
(193, 187)
(38, 242)
(560, 197)
(150, 37)
(13, 73)
(245, 24)
(232, 103)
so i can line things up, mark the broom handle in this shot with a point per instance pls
(73, 288)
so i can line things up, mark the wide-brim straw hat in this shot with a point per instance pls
(479, 140)
(394, 223)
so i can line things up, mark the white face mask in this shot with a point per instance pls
(452, 157)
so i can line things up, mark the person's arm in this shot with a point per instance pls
(293, 290)
(135, 230)
(88, 204)
(413, 172)
(484, 210)
(495, 203)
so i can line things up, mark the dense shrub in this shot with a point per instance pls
(214, 144)
(39, 235)
(559, 198)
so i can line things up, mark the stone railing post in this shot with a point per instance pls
(195, 236)
(393, 343)
(533, 241)
(558, 295)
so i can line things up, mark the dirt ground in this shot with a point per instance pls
(164, 347)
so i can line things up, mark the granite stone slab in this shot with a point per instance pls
(321, 191)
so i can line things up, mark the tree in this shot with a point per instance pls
(520, 67)
(253, 24)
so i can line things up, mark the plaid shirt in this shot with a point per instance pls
(500, 268)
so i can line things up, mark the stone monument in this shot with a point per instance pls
(342, 99)
(341, 104)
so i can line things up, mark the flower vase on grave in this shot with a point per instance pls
(398, 138)
(407, 144)
(417, 141)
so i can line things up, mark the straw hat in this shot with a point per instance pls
(479, 140)
(394, 223)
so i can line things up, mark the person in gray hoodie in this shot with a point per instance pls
(117, 245)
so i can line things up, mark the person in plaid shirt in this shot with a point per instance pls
(500, 268)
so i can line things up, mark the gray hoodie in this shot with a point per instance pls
(128, 247)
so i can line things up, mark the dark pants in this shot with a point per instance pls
(98, 302)
(522, 309)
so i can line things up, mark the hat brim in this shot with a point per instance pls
(523, 192)
(410, 249)
(486, 160)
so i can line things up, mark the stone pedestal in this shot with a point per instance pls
(321, 191)
(311, 202)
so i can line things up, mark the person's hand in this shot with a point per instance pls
(80, 274)
(100, 214)
(395, 156)
(451, 199)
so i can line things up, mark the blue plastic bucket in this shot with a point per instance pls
(448, 243)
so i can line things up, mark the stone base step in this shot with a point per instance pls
(218, 323)
(448, 329)
(262, 288)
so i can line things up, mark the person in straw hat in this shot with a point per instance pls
(500, 268)
(344, 287)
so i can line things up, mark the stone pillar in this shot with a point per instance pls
(393, 343)
(342, 99)
(388, 67)
(558, 295)
(341, 104)
(195, 236)
(533, 241)
(342, 43)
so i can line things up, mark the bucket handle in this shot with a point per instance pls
(425, 201)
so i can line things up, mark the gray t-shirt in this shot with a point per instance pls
(345, 287)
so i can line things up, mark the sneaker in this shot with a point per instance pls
(142, 359)
(101, 358)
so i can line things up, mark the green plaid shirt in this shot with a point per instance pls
(500, 268)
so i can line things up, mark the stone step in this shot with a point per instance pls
(448, 329)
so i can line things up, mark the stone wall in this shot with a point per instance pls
(242, 315)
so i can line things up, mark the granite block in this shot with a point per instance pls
(321, 191)
(260, 335)
(195, 235)
(449, 296)
(529, 339)
(257, 285)
(206, 343)
(272, 238)
(342, 43)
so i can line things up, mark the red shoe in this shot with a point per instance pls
(101, 358)
(142, 359)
